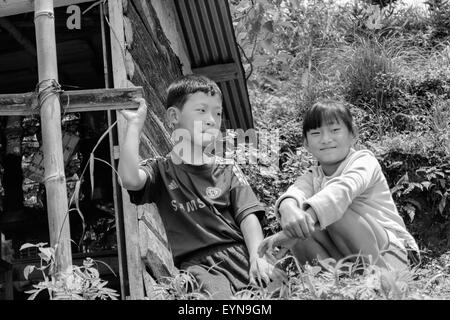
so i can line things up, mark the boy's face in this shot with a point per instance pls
(330, 143)
(201, 116)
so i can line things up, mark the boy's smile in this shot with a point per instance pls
(330, 145)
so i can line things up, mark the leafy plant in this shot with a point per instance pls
(183, 286)
(77, 283)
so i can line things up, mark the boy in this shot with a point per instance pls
(207, 206)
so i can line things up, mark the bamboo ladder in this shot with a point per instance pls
(50, 114)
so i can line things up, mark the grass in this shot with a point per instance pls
(339, 280)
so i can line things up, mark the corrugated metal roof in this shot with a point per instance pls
(211, 45)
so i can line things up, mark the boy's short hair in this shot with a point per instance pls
(327, 111)
(180, 89)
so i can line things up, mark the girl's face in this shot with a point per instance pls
(330, 145)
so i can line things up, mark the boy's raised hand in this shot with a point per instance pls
(136, 118)
(294, 221)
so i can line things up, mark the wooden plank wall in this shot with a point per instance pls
(155, 66)
(150, 62)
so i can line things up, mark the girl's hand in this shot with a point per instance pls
(280, 239)
(136, 118)
(294, 221)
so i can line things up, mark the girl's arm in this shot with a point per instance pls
(296, 223)
(301, 190)
(333, 200)
(288, 208)
(280, 239)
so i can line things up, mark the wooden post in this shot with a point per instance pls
(112, 138)
(130, 218)
(55, 180)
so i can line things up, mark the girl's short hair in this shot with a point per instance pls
(328, 112)
(180, 89)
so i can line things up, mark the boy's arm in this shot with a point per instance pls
(246, 207)
(131, 176)
(259, 268)
(253, 235)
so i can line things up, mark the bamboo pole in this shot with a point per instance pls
(55, 180)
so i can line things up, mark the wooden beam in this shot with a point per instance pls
(12, 7)
(219, 72)
(74, 101)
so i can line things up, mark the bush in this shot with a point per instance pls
(439, 19)
(417, 168)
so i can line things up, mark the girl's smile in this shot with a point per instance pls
(330, 145)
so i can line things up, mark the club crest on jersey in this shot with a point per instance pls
(212, 192)
(173, 185)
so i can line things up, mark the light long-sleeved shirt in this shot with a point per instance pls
(358, 185)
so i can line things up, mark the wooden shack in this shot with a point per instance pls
(107, 52)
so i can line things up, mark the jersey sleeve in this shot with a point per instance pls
(150, 191)
(243, 199)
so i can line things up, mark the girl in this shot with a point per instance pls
(343, 206)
